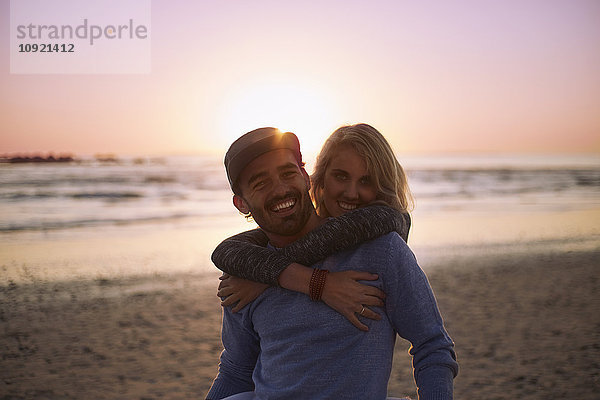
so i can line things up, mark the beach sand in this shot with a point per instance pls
(526, 325)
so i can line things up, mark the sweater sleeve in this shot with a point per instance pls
(412, 310)
(245, 255)
(346, 231)
(237, 362)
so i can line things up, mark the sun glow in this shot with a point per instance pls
(304, 109)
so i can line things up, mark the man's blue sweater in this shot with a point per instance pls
(285, 346)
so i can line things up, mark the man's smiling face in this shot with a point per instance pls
(274, 188)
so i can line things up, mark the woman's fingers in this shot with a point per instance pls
(225, 283)
(362, 276)
(230, 300)
(368, 313)
(372, 297)
(234, 298)
(241, 304)
(371, 301)
(239, 292)
(374, 302)
(344, 293)
(366, 276)
(225, 291)
(354, 320)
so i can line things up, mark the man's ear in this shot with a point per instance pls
(240, 204)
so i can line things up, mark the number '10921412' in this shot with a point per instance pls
(46, 48)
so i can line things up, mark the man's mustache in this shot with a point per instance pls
(271, 202)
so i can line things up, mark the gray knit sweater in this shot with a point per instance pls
(245, 255)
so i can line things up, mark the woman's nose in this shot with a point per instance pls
(351, 191)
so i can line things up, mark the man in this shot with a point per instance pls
(285, 345)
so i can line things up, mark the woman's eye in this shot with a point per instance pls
(365, 181)
(341, 177)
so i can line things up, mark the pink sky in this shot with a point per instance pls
(432, 76)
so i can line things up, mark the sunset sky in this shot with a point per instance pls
(432, 76)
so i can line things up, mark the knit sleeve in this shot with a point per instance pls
(246, 256)
(412, 310)
(346, 231)
(241, 347)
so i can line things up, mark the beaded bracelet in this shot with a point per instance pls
(317, 283)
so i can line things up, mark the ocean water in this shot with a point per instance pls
(89, 193)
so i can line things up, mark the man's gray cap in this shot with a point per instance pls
(255, 143)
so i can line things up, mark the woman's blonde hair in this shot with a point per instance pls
(386, 173)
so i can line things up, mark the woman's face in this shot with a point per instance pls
(347, 183)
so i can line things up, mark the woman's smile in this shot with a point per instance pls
(347, 183)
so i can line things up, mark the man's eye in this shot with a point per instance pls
(289, 174)
(259, 185)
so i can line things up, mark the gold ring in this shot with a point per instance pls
(362, 311)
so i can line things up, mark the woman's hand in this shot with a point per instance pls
(345, 295)
(238, 290)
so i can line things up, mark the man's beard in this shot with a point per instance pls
(288, 225)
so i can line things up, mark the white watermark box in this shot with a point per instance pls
(80, 36)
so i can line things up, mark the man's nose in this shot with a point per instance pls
(280, 187)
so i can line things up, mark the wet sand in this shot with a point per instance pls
(526, 325)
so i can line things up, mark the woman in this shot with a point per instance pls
(356, 168)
